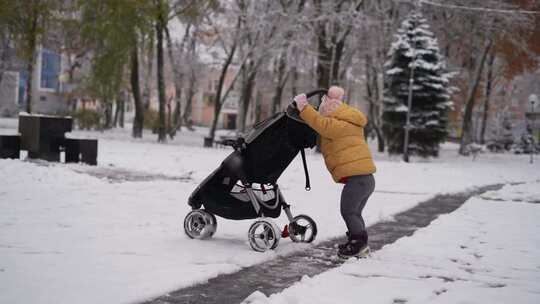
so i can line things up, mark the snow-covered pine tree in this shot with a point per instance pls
(415, 46)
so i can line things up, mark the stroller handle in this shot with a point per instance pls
(311, 94)
(316, 92)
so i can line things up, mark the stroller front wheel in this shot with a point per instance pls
(200, 224)
(263, 235)
(302, 229)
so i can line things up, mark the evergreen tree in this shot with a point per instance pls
(415, 54)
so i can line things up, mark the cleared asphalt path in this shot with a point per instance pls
(280, 273)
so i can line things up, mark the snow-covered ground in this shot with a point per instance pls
(69, 237)
(488, 251)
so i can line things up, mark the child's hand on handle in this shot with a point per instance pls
(301, 101)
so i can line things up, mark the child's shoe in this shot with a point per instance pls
(343, 245)
(356, 247)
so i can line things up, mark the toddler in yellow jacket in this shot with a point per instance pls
(347, 157)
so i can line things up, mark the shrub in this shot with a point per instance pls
(151, 120)
(88, 119)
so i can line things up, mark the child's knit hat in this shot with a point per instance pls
(334, 99)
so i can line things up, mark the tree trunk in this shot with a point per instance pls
(380, 140)
(245, 100)
(218, 99)
(138, 121)
(162, 135)
(281, 81)
(372, 89)
(29, 83)
(329, 58)
(116, 112)
(337, 55)
(178, 76)
(276, 100)
(323, 60)
(489, 83)
(123, 109)
(176, 119)
(258, 108)
(169, 124)
(217, 108)
(294, 82)
(177, 116)
(189, 100)
(147, 83)
(324, 53)
(212, 134)
(108, 113)
(32, 45)
(242, 105)
(30, 78)
(146, 95)
(192, 84)
(4, 48)
(466, 136)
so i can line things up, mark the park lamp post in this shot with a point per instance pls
(533, 99)
(409, 106)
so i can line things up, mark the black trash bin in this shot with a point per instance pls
(10, 146)
(81, 150)
(208, 142)
(42, 136)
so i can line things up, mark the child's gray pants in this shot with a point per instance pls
(354, 197)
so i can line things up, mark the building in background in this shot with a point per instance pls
(48, 89)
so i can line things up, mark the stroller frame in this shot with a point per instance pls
(247, 167)
(279, 198)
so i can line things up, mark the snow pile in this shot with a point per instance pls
(256, 297)
(527, 192)
(485, 252)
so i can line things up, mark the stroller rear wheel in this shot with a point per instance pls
(263, 235)
(200, 224)
(302, 229)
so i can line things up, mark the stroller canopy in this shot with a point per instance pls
(273, 143)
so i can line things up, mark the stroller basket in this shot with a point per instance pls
(267, 196)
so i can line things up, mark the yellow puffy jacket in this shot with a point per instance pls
(342, 141)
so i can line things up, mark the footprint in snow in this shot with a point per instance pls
(440, 291)
(495, 285)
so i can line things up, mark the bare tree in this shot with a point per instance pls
(262, 29)
(288, 50)
(228, 41)
(333, 24)
(176, 60)
(382, 20)
(194, 70)
(136, 91)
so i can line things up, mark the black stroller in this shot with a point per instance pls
(244, 186)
